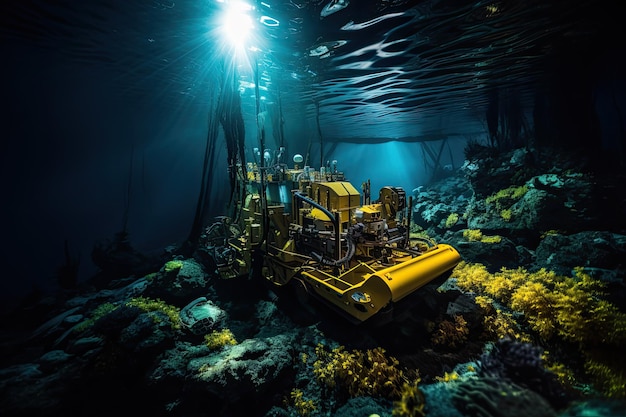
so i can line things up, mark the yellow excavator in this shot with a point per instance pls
(313, 229)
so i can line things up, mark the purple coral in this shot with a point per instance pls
(522, 363)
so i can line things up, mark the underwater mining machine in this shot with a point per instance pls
(313, 230)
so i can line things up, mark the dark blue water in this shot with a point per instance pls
(96, 90)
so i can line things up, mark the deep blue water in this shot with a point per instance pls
(99, 93)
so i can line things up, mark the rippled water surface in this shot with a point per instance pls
(375, 70)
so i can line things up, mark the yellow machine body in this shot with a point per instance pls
(358, 258)
(363, 291)
(339, 196)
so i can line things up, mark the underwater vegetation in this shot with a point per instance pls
(560, 308)
(452, 219)
(172, 266)
(452, 334)
(100, 311)
(366, 373)
(506, 197)
(503, 201)
(303, 407)
(475, 235)
(219, 338)
(491, 341)
(160, 307)
(159, 311)
(412, 401)
(357, 373)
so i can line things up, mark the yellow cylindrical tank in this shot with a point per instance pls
(406, 277)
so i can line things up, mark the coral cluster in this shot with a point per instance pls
(506, 197)
(568, 307)
(451, 334)
(512, 359)
(452, 219)
(493, 397)
(100, 311)
(523, 364)
(361, 373)
(497, 323)
(608, 372)
(449, 376)
(412, 401)
(172, 266)
(558, 307)
(475, 235)
(302, 407)
(219, 338)
(156, 305)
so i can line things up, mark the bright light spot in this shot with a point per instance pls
(237, 23)
(269, 21)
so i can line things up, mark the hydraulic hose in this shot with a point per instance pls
(334, 219)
